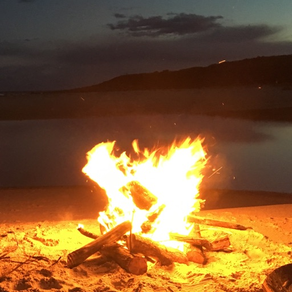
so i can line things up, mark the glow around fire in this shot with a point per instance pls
(172, 175)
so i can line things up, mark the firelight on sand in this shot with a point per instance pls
(170, 177)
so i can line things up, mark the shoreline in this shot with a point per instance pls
(74, 203)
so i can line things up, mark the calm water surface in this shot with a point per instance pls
(250, 155)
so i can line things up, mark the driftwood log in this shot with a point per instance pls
(218, 223)
(150, 248)
(133, 264)
(78, 256)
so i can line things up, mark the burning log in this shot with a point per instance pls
(148, 247)
(78, 256)
(212, 222)
(147, 225)
(142, 197)
(133, 264)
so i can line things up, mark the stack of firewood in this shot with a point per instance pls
(132, 251)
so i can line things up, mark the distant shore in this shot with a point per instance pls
(252, 103)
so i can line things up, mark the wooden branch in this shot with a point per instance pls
(220, 243)
(148, 247)
(212, 222)
(133, 264)
(216, 244)
(76, 257)
(87, 233)
(142, 197)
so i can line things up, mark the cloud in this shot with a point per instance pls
(229, 34)
(119, 15)
(197, 27)
(174, 24)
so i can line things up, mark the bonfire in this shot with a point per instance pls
(150, 235)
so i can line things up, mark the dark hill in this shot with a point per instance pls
(273, 70)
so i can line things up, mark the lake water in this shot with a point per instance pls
(249, 155)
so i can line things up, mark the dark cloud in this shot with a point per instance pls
(175, 24)
(227, 34)
(119, 15)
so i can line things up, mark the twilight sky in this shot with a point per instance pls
(60, 44)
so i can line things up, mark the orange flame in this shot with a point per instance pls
(172, 175)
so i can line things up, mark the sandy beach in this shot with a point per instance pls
(38, 231)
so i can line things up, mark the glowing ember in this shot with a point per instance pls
(162, 183)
